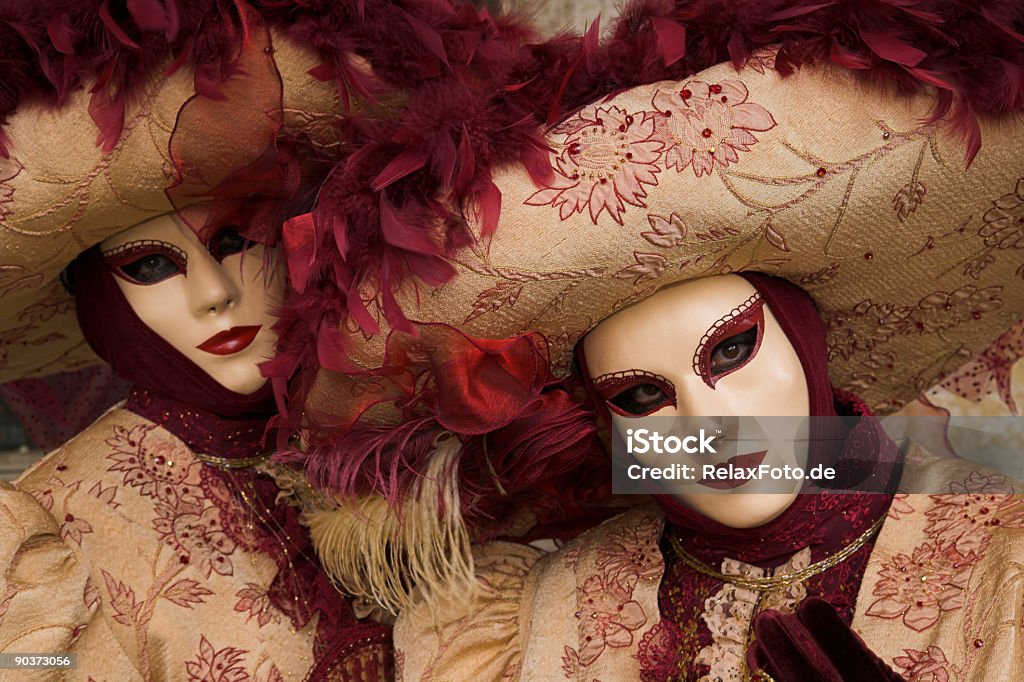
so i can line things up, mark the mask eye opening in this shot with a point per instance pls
(748, 315)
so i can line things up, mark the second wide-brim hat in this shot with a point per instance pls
(841, 186)
(67, 184)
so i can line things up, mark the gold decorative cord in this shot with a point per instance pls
(774, 582)
(234, 462)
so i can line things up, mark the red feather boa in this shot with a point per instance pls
(475, 92)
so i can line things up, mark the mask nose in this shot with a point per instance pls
(212, 290)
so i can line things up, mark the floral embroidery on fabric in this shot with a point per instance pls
(932, 580)
(185, 593)
(920, 587)
(607, 155)
(253, 599)
(122, 601)
(729, 611)
(648, 266)
(1003, 224)
(631, 554)
(940, 310)
(73, 527)
(161, 470)
(607, 615)
(924, 666)
(707, 123)
(570, 663)
(862, 328)
(666, 231)
(186, 521)
(191, 530)
(657, 652)
(217, 665)
(105, 495)
(900, 506)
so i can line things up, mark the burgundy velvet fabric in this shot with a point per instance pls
(172, 391)
(813, 645)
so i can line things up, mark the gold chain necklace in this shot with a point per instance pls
(775, 582)
(233, 462)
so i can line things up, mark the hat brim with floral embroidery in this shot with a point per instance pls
(112, 113)
(848, 150)
(80, 171)
(915, 262)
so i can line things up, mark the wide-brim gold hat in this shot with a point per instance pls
(62, 191)
(846, 188)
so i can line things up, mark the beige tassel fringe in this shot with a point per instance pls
(373, 552)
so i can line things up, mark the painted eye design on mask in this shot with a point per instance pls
(635, 392)
(227, 242)
(731, 342)
(146, 261)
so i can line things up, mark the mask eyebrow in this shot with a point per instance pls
(609, 384)
(128, 249)
(753, 307)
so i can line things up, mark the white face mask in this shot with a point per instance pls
(703, 348)
(212, 302)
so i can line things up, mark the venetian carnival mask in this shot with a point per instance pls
(704, 351)
(212, 302)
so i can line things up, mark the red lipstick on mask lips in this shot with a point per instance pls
(230, 341)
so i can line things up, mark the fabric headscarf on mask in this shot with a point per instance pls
(142, 356)
(874, 458)
(174, 392)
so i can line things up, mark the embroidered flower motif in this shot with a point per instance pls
(908, 199)
(13, 277)
(862, 328)
(966, 521)
(159, 468)
(979, 483)
(729, 611)
(186, 592)
(631, 554)
(607, 618)
(217, 665)
(924, 666)
(1003, 226)
(606, 157)
(73, 528)
(196, 534)
(707, 123)
(919, 588)
(254, 599)
(940, 310)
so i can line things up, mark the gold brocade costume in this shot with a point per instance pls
(117, 549)
(926, 615)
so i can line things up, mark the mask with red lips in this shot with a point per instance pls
(711, 349)
(189, 319)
